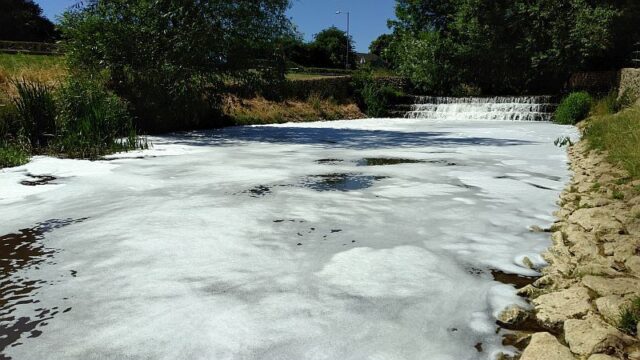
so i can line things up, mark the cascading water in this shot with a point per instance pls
(529, 108)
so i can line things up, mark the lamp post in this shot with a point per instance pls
(348, 42)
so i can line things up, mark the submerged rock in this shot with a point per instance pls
(513, 315)
(545, 346)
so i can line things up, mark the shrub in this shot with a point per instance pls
(35, 107)
(92, 121)
(373, 97)
(574, 108)
(12, 154)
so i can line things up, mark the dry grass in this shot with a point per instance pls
(261, 111)
(49, 70)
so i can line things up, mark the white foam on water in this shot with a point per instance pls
(191, 252)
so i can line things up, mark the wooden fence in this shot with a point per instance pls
(35, 48)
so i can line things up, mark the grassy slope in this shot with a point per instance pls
(41, 68)
(261, 111)
(618, 135)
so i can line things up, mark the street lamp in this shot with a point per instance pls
(348, 42)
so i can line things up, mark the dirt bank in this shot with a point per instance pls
(594, 271)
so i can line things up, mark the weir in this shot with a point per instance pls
(522, 108)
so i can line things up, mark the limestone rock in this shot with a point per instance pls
(512, 315)
(610, 306)
(612, 286)
(633, 265)
(597, 220)
(528, 263)
(554, 308)
(545, 346)
(591, 335)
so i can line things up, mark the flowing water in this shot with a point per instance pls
(526, 108)
(367, 239)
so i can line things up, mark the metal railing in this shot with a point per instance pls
(25, 47)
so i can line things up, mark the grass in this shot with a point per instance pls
(617, 195)
(629, 318)
(12, 155)
(48, 70)
(261, 111)
(619, 136)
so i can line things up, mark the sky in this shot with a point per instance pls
(368, 17)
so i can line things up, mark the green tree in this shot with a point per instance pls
(22, 20)
(329, 48)
(505, 45)
(169, 59)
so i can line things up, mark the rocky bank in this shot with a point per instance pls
(594, 267)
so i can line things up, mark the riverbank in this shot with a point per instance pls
(585, 298)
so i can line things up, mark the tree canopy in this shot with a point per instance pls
(22, 20)
(170, 58)
(509, 46)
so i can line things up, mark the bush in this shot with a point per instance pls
(574, 108)
(36, 110)
(92, 121)
(373, 97)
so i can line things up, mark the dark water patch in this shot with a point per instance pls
(478, 347)
(329, 161)
(38, 180)
(258, 191)
(20, 251)
(340, 182)
(516, 280)
(386, 161)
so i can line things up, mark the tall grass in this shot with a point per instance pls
(36, 112)
(49, 70)
(619, 136)
(629, 317)
(92, 121)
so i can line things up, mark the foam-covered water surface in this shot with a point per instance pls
(275, 242)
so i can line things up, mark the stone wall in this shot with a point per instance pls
(629, 81)
(600, 82)
(593, 82)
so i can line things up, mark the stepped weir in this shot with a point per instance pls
(521, 108)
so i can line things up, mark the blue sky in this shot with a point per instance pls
(368, 17)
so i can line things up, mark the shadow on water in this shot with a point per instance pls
(21, 251)
(332, 137)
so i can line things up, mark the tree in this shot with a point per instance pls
(508, 46)
(329, 48)
(22, 20)
(170, 58)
